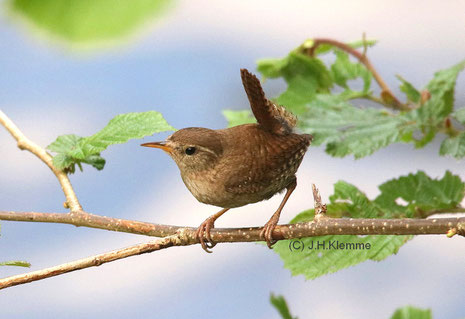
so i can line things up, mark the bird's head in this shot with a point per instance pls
(194, 149)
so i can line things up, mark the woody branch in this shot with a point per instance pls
(184, 236)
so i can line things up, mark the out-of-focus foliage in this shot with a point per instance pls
(87, 22)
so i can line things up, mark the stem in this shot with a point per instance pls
(92, 261)
(85, 219)
(25, 144)
(334, 225)
(386, 93)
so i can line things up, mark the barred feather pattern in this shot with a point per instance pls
(286, 118)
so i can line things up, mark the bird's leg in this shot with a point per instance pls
(203, 232)
(267, 232)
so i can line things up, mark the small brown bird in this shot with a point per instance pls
(240, 165)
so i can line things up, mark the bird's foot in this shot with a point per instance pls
(267, 231)
(203, 232)
(204, 236)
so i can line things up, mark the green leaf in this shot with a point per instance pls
(17, 263)
(420, 194)
(121, 129)
(410, 312)
(454, 146)
(88, 21)
(281, 305)
(343, 70)
(235, 118)
(350, 130)
(413, 95)
(441, 103)
(427, 137)
(460, 115)
(320, 255)
(63, 143)
(305, 77)
(350, 200)
(271, 68)
(72, 149)
(444, 80)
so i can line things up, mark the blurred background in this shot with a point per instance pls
(185, 63)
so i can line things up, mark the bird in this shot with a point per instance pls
(240, 165)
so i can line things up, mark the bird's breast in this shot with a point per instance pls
(208, 188)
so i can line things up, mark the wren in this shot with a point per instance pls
(240, 165)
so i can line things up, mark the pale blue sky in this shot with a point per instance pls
(187, 67)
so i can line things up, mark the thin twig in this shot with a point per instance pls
(26, 144)
(386, 93)
(93, 261)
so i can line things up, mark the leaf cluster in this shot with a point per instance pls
(413, 196)
(327, 96)
(74, 150)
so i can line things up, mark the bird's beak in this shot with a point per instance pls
(161, 145)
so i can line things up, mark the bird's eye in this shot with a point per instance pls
(190, 150)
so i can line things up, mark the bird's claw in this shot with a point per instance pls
(204, 236)
(267, 232)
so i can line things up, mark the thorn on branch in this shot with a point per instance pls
(320, 208)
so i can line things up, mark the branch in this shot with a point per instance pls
(84, 219)
(321, 226)
(26, 144)
(327, 226)
(386, 93)
(318, 227)
(92, 261)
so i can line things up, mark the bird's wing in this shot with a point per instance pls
(272, 117)
(280, 164)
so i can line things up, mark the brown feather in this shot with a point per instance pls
(273, 118)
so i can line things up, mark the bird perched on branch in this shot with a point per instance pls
(240, 165)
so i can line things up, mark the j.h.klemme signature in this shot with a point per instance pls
(299, 245)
